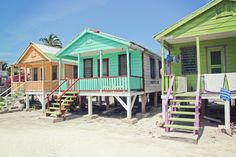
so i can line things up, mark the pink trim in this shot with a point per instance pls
(197, 102)
(166, 101)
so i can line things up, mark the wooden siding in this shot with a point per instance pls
(136, 64)
(68, 71)
(90, 42)
(230, 45)
(150, 84)
(209, 22)
(32, 55)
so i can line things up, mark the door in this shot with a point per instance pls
(216, 59)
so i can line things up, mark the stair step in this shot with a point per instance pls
(53, 113)
(181, 119)
(184, 100)
(183, 106)
(72, 92)
(63, 100)
(182, 113)
(54, 108)
(69, 96)
(181, 127)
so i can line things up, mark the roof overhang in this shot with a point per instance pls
(172, 40)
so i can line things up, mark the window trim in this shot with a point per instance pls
(119, 56)
(34, 69)
(56, 72)
(193, 72)
(107, 61)
(90, 69)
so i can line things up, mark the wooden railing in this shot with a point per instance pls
(112, 83)
(197, 102)
(53, 91)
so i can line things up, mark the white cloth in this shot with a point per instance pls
(214, 82)
(181, 84)
(231, 77)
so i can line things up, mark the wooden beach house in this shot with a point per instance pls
(201, 51)
(109, 67)
(35, 74)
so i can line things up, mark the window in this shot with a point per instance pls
(54, 72)
(105, 67)
(189, 60)
(215, 58)
(159, 65)
(153, 68)
(75, 71)
(35, 74)
(88, 68)
(122, 65)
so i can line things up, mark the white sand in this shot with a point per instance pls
(23, 134)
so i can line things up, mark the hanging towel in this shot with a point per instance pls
(181, 84)
(214, 82)
(231, 77)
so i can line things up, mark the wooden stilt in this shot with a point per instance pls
(129, 107)
(90, 106)
(107, 99)
(27, 101)
(143, 103)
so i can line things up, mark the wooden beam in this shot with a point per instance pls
(78, 68)
(227, 115)
(198, 55)
(128, 68)
(133, 101)
(129, 108)
(59, 73)
(90, 105)
(162, 68)
(101, 70)
(121, 102)
(144, 102)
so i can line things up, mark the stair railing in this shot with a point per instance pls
(53, 91)
(167, 96)
(5, 97)
(197, 103)
(64, 92)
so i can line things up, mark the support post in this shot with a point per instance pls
(43, 76)
(27, 102)
(78, 65)
(162, 68)
(90, 106)
(129, 109)
(101, 70)
(144, 102)
(19, 74)
(227, 115)
(59, 74)
(43, 102)
(198, 55)
(128, 69)
(12, 73)
(26, 75)
(155, 99)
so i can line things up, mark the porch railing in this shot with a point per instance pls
(112, 83)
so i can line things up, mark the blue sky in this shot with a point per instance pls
(27, 21)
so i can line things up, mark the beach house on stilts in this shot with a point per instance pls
(201, 51)
(35, 74)
(108, 67)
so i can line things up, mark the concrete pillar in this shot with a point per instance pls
(43, 102)
(163, 109)
(143, 103)
(227, 115)
(129, 109)
(90, 106)
(27, 101)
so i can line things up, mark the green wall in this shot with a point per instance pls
(136, 63)
(230, 44)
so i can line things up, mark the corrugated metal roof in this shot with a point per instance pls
(47, 49)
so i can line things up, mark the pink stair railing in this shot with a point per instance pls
(167, 96)
(197, 104)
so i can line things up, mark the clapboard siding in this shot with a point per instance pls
(113, 58)
(208, 23)
(151, 85)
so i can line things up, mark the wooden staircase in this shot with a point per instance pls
(63, 102)
(183, 112)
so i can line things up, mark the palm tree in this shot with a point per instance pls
(52, 40)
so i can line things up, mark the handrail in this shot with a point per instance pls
(167, 98)
(5, 97)
(5, 91)
(53, 91)
(64, 92)
(196, 116)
